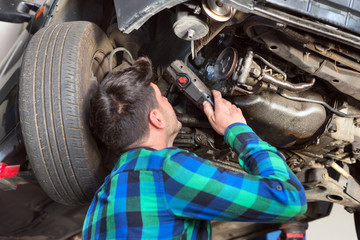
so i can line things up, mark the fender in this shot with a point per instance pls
(131, 15)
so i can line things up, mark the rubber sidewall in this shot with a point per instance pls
(54, 91)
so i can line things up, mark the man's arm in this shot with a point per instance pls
(269, 193)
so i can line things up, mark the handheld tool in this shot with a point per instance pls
(188, 83)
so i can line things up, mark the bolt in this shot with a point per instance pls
(256, 72)
(210, 69)
(332, 128)
(191, 33)
(325, 176)
(219, 4)
(280, 25)
(197, 10)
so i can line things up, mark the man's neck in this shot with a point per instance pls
(157, 140)
(155, 143)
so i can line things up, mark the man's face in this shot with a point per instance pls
(173, 125)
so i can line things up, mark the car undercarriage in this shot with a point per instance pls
(292, 67)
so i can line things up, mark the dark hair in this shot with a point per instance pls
(120, 107)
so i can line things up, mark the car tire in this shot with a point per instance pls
(61, 67)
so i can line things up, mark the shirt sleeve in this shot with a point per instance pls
(270, 192)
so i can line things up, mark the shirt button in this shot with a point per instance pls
(279, 187)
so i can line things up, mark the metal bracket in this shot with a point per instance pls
(319, 186)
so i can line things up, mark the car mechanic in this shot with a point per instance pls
(157, 191)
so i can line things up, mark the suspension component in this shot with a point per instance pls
(248, 76)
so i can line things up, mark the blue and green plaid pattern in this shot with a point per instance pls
(172, 194)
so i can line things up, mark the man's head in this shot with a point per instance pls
(127, 107)
(162, 122)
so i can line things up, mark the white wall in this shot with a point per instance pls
(339, 225)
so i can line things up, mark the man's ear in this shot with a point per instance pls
(156, 119)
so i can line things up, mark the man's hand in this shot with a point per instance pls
(224, 115)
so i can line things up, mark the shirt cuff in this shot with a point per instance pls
(233, 130)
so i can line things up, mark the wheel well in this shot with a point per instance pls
(95, 11)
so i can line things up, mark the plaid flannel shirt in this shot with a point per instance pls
(172, 194)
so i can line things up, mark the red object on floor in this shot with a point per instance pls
(7, 171)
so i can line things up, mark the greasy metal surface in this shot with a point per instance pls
(319, 186)
(189, 120)
(280, 121)
(132, 14)
(250, 6)
(330, 108)
(244, 70)
(185, 138)
(345, 130)
(333, 55)
(330, 49)
(294, 87)
(326, 147)
(345, 80)
(341, 13)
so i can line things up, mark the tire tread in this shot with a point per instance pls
(53, 124)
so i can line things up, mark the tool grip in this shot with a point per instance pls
(189, 83)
